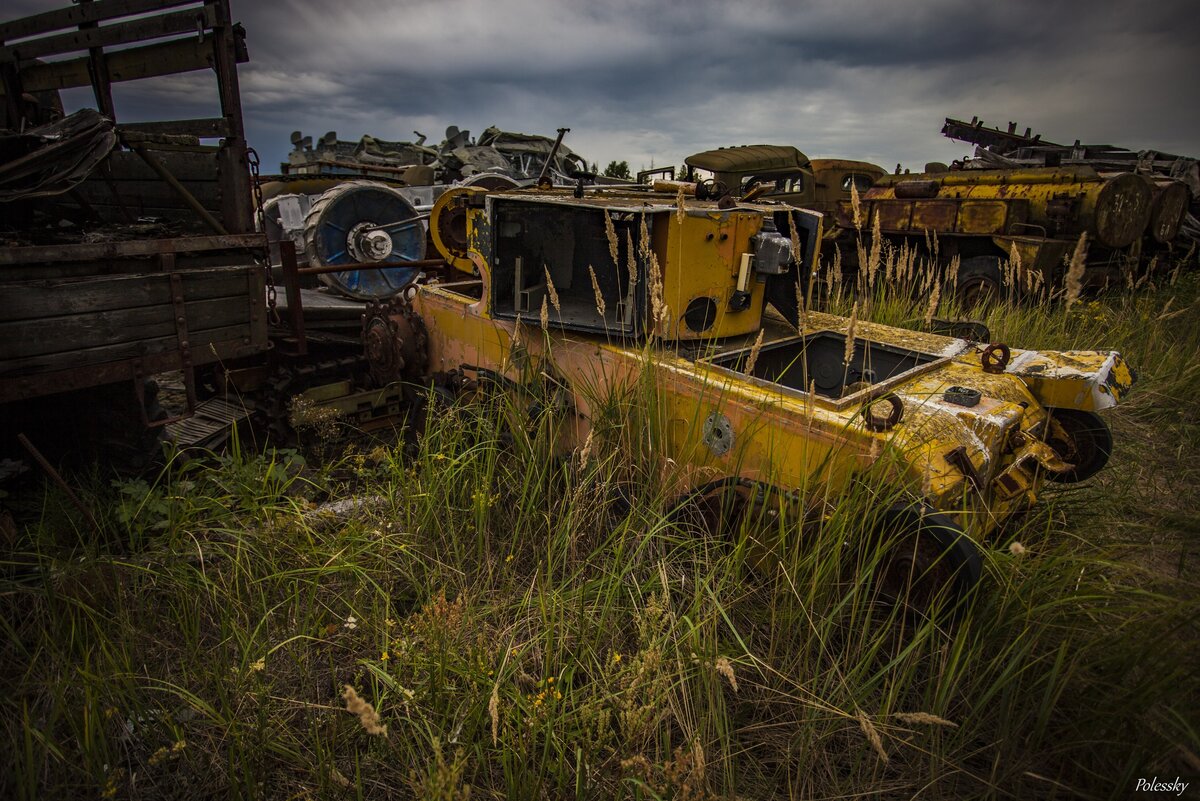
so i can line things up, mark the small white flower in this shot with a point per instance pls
(1016, 549)
(351, 623)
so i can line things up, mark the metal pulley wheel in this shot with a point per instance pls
(364, 221)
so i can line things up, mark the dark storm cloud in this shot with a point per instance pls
(654, 81)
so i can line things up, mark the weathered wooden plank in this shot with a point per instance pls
(102, 354)
(147, 61)
(66, 334)
(207, 128)
(100, 251)
(192, 202)
(138, 30)
(32, 385)
(184, 165)
(137, 195)
(186, 218)
(124, 266)
(132, 190)
(74, 16)
(35, 299)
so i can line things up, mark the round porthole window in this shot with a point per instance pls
(700, 315)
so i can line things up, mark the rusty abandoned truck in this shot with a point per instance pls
(757, 397)
(129, 248)
(1028, 218)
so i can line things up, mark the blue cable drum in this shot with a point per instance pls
(365, 221)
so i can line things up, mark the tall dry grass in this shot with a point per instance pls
(525, 623)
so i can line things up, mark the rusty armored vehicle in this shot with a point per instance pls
(1027, 218)
(128, 248)
(784, 174)
(590, 292)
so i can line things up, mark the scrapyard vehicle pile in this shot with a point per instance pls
(546, 290)
(330, 191)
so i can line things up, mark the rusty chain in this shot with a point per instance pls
(272, 308)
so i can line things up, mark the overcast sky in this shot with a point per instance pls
(651, 82)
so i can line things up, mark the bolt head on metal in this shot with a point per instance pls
(377, 245)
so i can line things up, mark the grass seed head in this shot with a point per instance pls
(585, 452)
(725, 668)
(753, 358)
(873, 259)
(659, 312)
(630, 262)
(550, 289)
(494, 712)
(934, 298)
(835, 273)
(795, 237)
(1075, 270)
(924, 719)
(367, 716)
(801, 307)
(610, 231)
(848, 356)
(600, 307)
(871, 733)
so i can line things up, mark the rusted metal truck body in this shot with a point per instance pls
(147, 261)
(572, 288)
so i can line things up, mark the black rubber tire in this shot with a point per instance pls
(1088, 447)
(980, 282)
(929, 564)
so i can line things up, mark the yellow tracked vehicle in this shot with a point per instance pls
(1026, 219)
(594, 291)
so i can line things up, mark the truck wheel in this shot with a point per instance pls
(928, 563)
(979, 281)
(727, 509)
(1079, 438)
